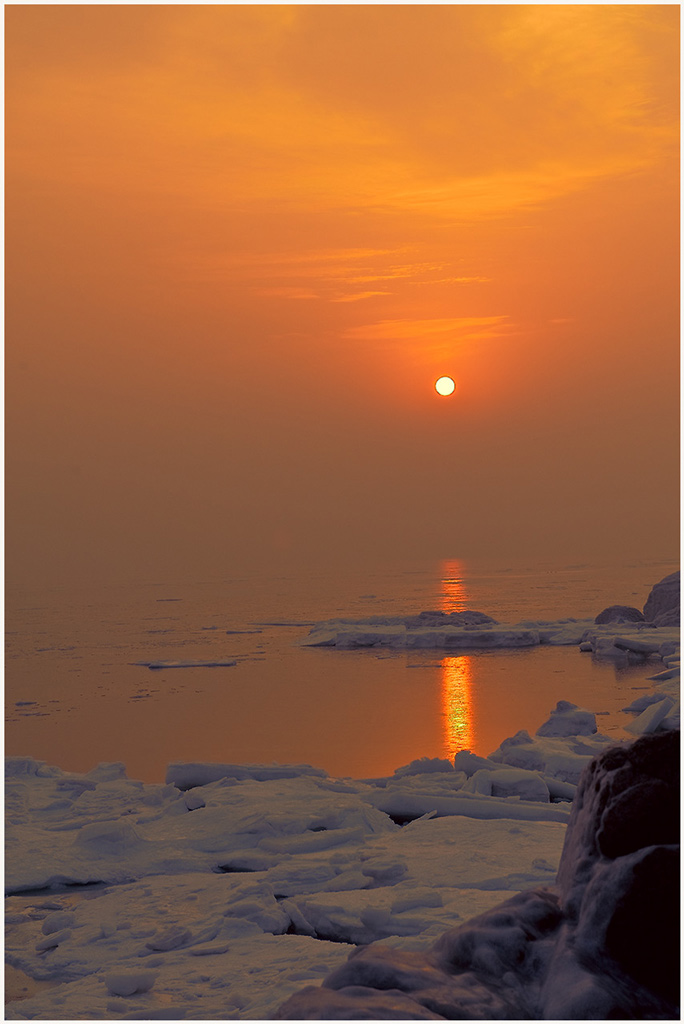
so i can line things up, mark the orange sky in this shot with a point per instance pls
(243, 242)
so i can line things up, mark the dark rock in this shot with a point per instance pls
(618, 613)
(641, 816)
(671, 618)
(601, 813)
(642, 934)
(603, 946)
(663, 603)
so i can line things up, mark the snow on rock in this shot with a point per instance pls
(603, 944)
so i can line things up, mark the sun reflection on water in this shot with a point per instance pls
(457, 705)
(452, 597)
(457, 702)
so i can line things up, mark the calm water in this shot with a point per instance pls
(75, 698)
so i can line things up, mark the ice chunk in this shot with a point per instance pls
(384, 872)
(126, 983)
(641, 703)
(187, 664)
(405, 805)
(651, 718)
(110, 838)
(645, 647)
(53, 939)
(669, 673)
(673, 719)
(455, 631)
(17, 766)
(170, 938)
(562, 757)
(107, 771)
(184, 775)
(424, 765)
(56, 922)
(193, 801)
(508, 782)
(568, 720)
(465, 761)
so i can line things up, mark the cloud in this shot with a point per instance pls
(281, 274)
(355, 297)
(456, 280)
(311, 107)
(457, 328)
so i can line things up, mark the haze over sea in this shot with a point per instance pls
(75, 696)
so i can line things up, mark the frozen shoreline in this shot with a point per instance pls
(222, 892)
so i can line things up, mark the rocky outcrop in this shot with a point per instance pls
(618, 613)
(662, 606)
(602, 945)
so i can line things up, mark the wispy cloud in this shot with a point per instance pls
(456, 328)
(455, 280)
(357, 296)
(327, 271)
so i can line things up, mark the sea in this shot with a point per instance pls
(78, 692)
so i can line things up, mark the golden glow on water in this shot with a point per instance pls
(452, 596)
(457, 702)
(457, 705)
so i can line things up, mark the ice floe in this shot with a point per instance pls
(476, 631)
(188, 664)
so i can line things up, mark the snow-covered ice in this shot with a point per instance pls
(467, 631)
(225, 890)
(223, 899)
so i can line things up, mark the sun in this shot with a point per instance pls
(445, 386)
